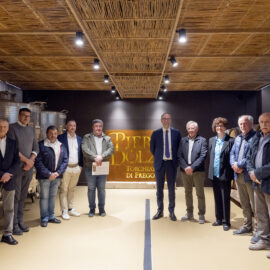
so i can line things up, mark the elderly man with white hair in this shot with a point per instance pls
(238, 160)
(193, 152)
(258, 166)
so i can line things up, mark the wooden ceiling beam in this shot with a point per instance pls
(228, 32)
(55, 71)
(49, 55)
(128, 19)
(170, 44)
(40, 33)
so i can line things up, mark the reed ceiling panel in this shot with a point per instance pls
(130, 37)
(228, 45)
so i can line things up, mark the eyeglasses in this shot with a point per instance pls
(220, 126)
(26, 116)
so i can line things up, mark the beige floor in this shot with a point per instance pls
(117, 241)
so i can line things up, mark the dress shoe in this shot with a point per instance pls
(23, 227)
(43, 223)
(91, 213)
(172, 216)
(187, 217)
(217, 223)
(17, 230)
(102, 212)
(54, 220)
(260, 245)
(9, 240)
(226, 227)
(268, 255)
(158, 215)
(242, 231)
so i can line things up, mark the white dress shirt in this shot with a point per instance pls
(190, 146)
(170, 144)
(73, 149)
(98, 141)
(3, 143)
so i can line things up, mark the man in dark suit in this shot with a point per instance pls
(164, 146)
(192, 156)
(9, 163)
(72, 142)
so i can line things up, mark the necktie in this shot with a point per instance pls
(167, 152)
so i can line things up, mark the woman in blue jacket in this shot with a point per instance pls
(50, 164)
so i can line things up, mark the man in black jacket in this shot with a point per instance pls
(193, 152)
(258, 166)
(9, 163)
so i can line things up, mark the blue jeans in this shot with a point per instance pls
(95, 182)
(48, 191)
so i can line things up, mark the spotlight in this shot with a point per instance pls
(113, 91)
(173, 61)
(117, 98)
(166, 79)
(164, 88)
(160, 97)
(182, 35)
(79, 38)
(106, 78)
(96, 63)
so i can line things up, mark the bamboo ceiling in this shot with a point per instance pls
(228, 45)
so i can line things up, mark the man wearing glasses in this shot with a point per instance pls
(164, 146)
(28, 150)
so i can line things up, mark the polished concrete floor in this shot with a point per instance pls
(117, 240)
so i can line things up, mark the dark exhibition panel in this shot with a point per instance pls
(266, 98)
(199, 106)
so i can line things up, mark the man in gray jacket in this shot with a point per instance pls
(193, 153)
(24, 134)
(96, 147)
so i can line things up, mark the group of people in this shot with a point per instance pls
(246, 159)
(58, 161)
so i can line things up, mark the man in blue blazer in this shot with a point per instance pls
(72, 142)
(9, 164)
(164, 146)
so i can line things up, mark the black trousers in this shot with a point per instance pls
(168, 169)
(222, 195)
(23, 179)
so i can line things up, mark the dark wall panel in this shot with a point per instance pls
(145, 114)
(199, 106)
(266, 99)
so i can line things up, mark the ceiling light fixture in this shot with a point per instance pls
(96, 63)
(164, 88)
(173, 61)
(182, 35)
(166, 79)
(113, 90)
(79, 38)
(106, 78)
